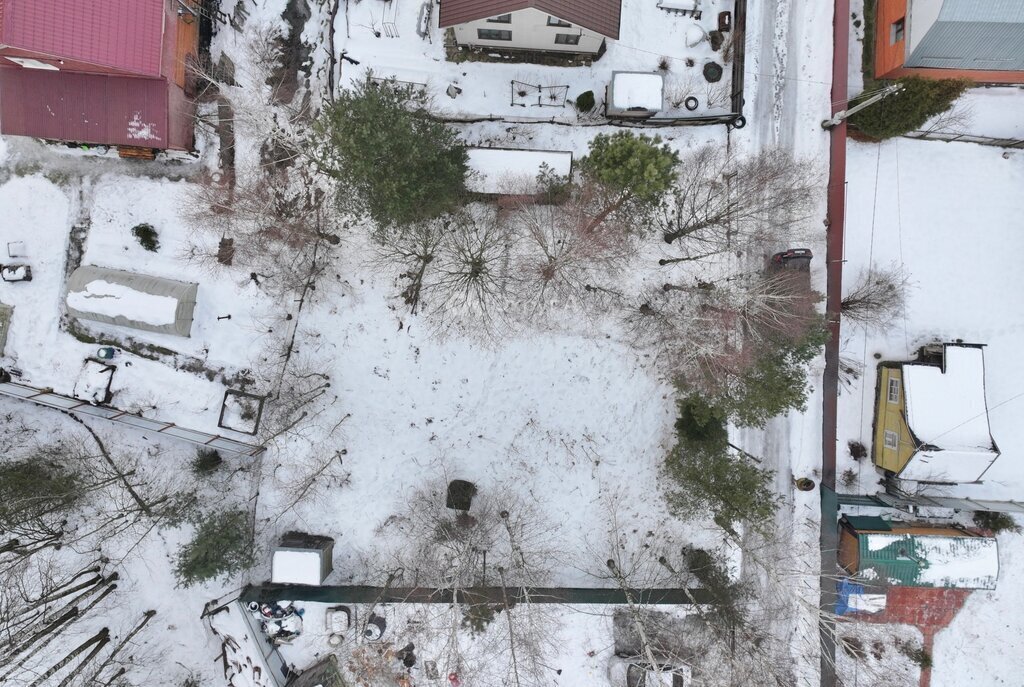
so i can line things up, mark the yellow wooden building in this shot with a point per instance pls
(931, 416)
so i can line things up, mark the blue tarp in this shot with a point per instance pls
(844, 588)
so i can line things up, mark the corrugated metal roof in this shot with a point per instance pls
(868, 523)
(971, 45)
(121, 34)
(916, 560)
(1011, 11)
(601, 16)
(86, 108)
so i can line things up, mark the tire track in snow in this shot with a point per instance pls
(780, 65)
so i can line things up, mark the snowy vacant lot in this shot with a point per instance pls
(607, 353)
(559, 405)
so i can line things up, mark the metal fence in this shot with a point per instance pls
(949, 137)
(910, 503)
(50, 399)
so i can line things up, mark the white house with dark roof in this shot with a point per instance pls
(565, 26)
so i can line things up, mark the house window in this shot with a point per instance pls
(894, 390)
(555, 21)
(896, 31)
(493, 35)
(567, 39)
(892, 439)
(501, 19)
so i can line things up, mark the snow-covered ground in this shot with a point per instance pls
(570, 420)
(984, 642)
(647, 35)
(949, 213)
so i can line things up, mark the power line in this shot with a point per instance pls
(899, 233)
(677, 58)
(976, 416)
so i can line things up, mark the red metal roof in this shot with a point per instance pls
(119, 34)
(87, 108)
(601, 16)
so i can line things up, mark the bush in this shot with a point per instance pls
(34, 487)
(776, 383)
(996, 522)
(727, 605)
(553, 187)
(477, 617)
(221, 545)
(631, 166)
(392, 160)
(708, 478)
(908, 110)
(585, 101)
(919, 655)
(146, 236)
(206, 461)
(699, 421)
(857, 450)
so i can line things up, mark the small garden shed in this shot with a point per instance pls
(302, 558)
(127, 299)
(635, 95)
(879, 552)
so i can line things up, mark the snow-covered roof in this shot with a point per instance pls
(131, 300)
(931, 560)
(602, 16)
(637, 91)
(294, 566)
(947, 412)
(499, 170)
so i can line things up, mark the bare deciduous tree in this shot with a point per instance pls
(562, 256)
(501, 541)
(878, 297)
(280, 221)
(470, 278)
(414, 248)
(739, 639)
(721, 202)
(709, 332)
(955, 120)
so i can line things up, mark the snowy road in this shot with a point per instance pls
(789, 77)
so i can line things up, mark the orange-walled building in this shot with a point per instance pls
(981, 40)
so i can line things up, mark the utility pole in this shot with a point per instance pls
(840, 116)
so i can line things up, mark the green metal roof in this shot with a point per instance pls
(929, 560)
(868, 523)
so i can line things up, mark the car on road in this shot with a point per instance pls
(793, 259)
(635, 672)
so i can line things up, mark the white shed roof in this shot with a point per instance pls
(947, 412)
(637, 90)
(292, 566)
(501, 170)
